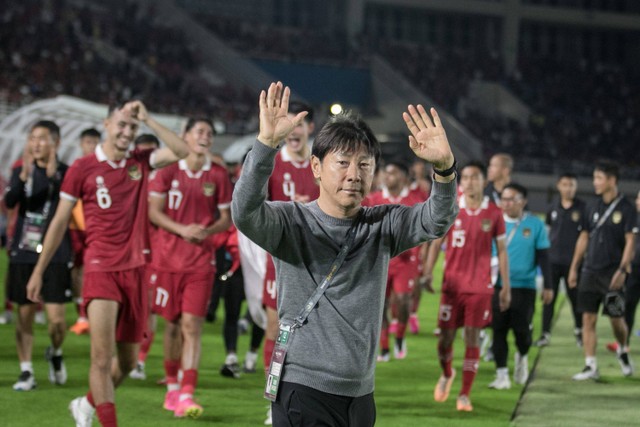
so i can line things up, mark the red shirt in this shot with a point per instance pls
(291, 178)
(114, 197)
(190, 198)
(468, 255)
(415, 188)
(406, 197)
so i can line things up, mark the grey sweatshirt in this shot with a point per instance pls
(335, 351)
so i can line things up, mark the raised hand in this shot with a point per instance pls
(137, 110)
(52, 161)
(275, 125)
(428, 139)
(27, 162)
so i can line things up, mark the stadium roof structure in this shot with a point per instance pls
(73, 115)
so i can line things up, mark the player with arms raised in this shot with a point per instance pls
(112, 184)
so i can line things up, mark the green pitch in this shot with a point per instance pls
(404, 389)
(554, 400)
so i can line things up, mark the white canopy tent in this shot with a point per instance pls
(73, 115)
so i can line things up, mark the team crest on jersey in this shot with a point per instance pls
(616, 217)
(134, 172)
(575, 216)
(526, 233)
(486, 225)
(208, 188)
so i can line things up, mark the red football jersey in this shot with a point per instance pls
(114, 197)
(291, 178)
(190, 198)
(468, 255)
(406, 197)
(415, 188)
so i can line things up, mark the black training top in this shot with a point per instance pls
(493, 194)
(606, 243)
(31, 197)
(564, 228)
(636, 258)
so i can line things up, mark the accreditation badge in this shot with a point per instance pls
(285, 334)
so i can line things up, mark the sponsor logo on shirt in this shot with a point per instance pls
(208, 188)
(554, 215)
(526, 233)
(134, 172)
(486, 225)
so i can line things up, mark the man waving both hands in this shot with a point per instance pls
(330, 314)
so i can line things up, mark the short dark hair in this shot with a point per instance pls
(53, 128)
(195, 120)
(475, 164)
(147, 138)
(296, 107)
(608, 168)
(400, 164)
(517, 187)
(568, 175)
(345, 132)
(91, 132)
(115, 106)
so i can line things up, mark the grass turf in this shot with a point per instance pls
(553, 399)
(403, 394)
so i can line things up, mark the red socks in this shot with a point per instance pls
(469, 369)
(90, 399)
(171, 368)
(189, 381)
(384, 339)
(147, 340)
(107, 414)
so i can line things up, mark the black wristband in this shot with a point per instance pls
(447, 172)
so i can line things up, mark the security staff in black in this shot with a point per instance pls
(632, 287)
(564, 220)
(34, 190)
(605, 248)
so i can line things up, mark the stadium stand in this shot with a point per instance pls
(103, 54)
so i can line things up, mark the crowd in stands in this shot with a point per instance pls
(107, 54)
(260, 40)
(579, 112)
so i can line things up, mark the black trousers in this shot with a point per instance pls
(518, 318)
(558, 272)
(298, 405)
